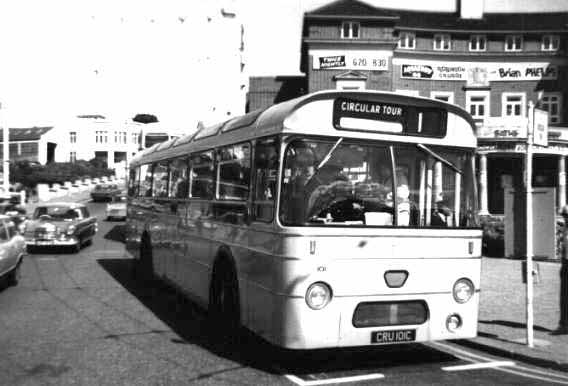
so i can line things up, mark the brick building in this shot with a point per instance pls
(491, 64)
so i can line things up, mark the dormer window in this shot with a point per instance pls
(477, 43)
(350, 30)
(550, 43)
(513, 43)
(442, 42)
(407, 40)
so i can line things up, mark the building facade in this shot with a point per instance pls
(86, 137)
(493, 65)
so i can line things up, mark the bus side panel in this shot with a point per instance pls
(260, 271)
(195, 260)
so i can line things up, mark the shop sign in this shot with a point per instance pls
(540, 129)
(476, 73)
(503, 127)
(350, 60)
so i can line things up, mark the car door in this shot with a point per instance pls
(90, 223)
(6, 249)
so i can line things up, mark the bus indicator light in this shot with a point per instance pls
(453, 322)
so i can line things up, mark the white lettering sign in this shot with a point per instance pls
(350, 60)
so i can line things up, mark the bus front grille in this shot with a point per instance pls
(378, 314)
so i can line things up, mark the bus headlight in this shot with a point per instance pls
(463, 290)
(318, 295)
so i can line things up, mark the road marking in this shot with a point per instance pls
(482, 365)
(46, 258)
(527, 372)
(328, 381)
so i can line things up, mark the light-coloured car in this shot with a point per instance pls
(116, 209)
(60, 224)
(12, 251)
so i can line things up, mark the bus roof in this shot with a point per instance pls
(311, 114)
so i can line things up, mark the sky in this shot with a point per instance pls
(62, 58)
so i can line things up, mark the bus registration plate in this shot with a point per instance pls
(393, 336)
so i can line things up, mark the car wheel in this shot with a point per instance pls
(15, 275)
(224, 308)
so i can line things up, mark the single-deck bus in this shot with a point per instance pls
(335, 219)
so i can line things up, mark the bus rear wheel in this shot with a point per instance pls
(224, 308)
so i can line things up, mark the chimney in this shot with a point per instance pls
(470, 9)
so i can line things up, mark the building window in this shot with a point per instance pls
(513, 104)
(446, 96)
(550, 43)
(101, 136)
(477, 42)
(73, 156)
(135, 138)
(350, 30)
(513, 43)
(442, 42)
(551, 102)
(73, 137)
(123, 135)
(477, 103)
(407, 40)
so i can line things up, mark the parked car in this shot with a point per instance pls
(104, 192)
(16, 212)
(116, 209)
(12, 251)
(60, 224)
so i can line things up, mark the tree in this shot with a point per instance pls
(145, 118)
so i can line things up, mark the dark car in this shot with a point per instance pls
(60, 224)
(17, 213)
(105, 192)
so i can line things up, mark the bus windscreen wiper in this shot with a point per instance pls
(325, 159)
(439, 157)
(329, 153)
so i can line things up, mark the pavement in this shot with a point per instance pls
(502, 327)
(502, 309)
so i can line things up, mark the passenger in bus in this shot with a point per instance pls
(441, 214)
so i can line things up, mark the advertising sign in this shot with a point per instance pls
(350, 60)
(476, 73)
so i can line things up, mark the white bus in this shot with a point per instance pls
(335, 219)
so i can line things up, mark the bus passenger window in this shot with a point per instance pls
(202, 176)
(133, 177)
(234, 172)
(266, 172)
(160, 180)
(145, 189)
(179, 182)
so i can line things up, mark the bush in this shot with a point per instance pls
(30, 174)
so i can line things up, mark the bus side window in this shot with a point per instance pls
(133, 181)
(145, 189)
(179, 182)
(265, 178)
(202, 176)
(160, 180)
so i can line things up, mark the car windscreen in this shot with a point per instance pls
(56, 212)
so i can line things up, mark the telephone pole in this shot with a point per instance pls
(5, 150)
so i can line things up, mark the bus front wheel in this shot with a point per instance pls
(224, 308)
